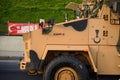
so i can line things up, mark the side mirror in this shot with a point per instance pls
(48, 27)
(47, 30)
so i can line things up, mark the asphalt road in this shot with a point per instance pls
(9, 70)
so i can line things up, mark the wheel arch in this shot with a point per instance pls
(81, 52)
(67, 66)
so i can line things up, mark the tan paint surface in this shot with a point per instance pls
(102, 50)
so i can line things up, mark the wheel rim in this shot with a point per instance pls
(66, 73)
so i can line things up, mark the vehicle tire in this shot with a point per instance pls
(65, 68)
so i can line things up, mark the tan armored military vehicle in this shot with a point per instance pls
(73, 50)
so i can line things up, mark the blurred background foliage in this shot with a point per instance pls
(33, 10)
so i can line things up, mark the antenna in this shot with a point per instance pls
(77, 13)
(65, 17)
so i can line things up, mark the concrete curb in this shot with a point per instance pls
(11, 46)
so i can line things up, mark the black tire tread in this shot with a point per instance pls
(62, 59)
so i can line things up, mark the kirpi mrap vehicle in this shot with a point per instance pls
(75, 49)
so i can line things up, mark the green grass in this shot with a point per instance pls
(32, 11)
